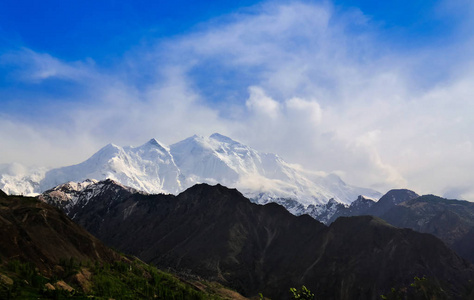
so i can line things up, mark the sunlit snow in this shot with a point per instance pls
(156, 168)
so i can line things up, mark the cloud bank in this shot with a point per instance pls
(317, 84)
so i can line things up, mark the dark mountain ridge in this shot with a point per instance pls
(216, 233)
(390, 199)
(450, 220)
(45, 255)
(34, 231)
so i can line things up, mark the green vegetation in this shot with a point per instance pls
(127, 279)
(302, 294)
(421, 289)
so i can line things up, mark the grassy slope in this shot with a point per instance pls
(126, 279)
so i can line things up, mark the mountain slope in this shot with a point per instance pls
(367, 206)
(450, 220)
(359, 207)
(44, 255)
(72, 196)
(149, 167)
(216, 233)
(34, 231)
(262, 177)
(391, 199)
(16, 179)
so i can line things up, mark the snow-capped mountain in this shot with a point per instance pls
(16, 179)
(149, 167)
(71, 195)
(262, 177)
(157, 168)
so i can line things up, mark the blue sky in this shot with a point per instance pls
(379, 92)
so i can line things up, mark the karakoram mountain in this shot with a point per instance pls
(218, 234)
(157, 168)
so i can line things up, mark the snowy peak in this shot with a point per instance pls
(149, 167)
(155, 144)
(214, 159)
(75, 195)
(219, 151)
(362, 203)
(219, 159)
(154, 167)
(332, 202)
(222, 138)
(215, 144)
(263, 177)
(105, 153)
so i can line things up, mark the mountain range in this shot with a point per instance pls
(216, 233)
(44, 255)
(450, 220)
(157, 168)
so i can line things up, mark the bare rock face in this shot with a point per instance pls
(83, 279)
(61, 285)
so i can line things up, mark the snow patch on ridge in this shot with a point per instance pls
(71, 195)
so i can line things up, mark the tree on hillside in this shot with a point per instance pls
(302, 294)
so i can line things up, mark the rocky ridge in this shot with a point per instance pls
(217, 233)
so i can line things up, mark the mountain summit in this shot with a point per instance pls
(156, 168)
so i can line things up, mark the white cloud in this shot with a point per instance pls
(261, 104)
(37, 67)
(117, 113)
(308, 108)
(315, 84)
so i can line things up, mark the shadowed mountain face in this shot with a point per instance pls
(34, 231)
(45, 255)
(216, 233)
(450, 220)
(363, 206)
(391, 199)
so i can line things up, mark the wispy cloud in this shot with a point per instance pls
(36, 67)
